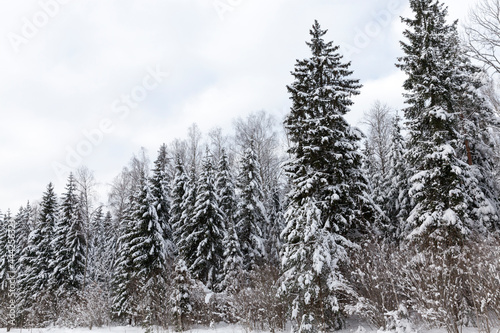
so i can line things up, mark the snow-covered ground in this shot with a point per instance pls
(352, 327)
(126, 329)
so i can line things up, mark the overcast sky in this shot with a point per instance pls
(90, 82)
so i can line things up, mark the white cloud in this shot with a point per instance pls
(65, 78)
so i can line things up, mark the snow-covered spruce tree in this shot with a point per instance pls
(5, 221)
(201, 243)
(325, 148)
(312, 278)
(225, 189)
(160, 189)
(183, 226)
(5, 268)
(447, 122)
(35, 283)
(397, 203)
(179, 189)
(149, 260)
(328, 200)
(25, 219)
(122, 282)
(94, 251)
(251, 216)
(181, 296)
(68, 245)
(102, 252)
(233, 259)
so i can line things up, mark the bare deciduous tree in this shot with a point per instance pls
(261, 128)
(379, 122)
(482, 34)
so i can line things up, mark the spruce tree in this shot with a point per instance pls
(147, 239)
(122, 281)
(328, 197)
(179, 188)
(447, 126)
(202, 240)
(5, 266)
(233, 258)
(147, 257)
(311, 260)
(37, 296)
(251, 217)
(233, 261)
(68, 245)
(226, 189)
(326, 161)
(25, 219)
(181, 296)
(41, 242)
(160, 190)
(185, 226)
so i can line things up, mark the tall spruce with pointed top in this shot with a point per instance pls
(226, 189)
(325, 148)
(251, 217)
(69, 243)
(148, 256)
(123, 281)
(41, 242)
(202, 241)
(36, 292)
(24, 222)
(160, 189)
(233, 258)
(328, 188)
(448, 123)
(179, 188)
(186, 213)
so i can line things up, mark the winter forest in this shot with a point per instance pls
(300, 223)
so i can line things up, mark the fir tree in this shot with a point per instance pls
(202, 240)
(35, 284)
(41, 242)
(328, 188)
(179, 188)
(103, 249)
(311, 260)
(326, 161)
(142, 263)
(160, 189)
(233, 260)
(68, 245)
(251, 216)
(122, 282)
(181, 295)
(148, 255)
(447, 156)
(226, 189)
(5, 267)
(25, 219)
(185, 226)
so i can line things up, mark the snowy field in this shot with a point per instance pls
(352, 327)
